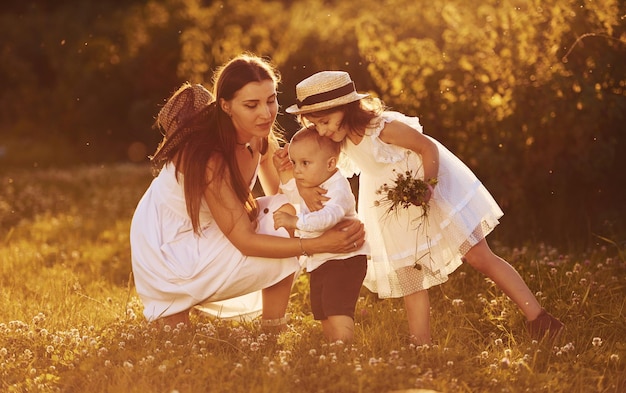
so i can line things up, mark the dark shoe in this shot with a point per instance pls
(544, 325)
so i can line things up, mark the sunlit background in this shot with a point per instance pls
(530, 94)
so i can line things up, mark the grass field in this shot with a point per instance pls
(70, 320)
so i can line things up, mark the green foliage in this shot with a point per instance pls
(69, 323)
(530, 94)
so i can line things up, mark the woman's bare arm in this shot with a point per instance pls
(232, 219)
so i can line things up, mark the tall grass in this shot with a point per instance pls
(70, 320)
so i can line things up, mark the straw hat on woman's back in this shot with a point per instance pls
(188, 101)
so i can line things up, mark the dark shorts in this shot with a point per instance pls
(335, 286)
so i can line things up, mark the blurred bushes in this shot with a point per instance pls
(530, 94)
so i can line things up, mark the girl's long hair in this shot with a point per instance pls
(216, 135)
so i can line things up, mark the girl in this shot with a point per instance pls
(412, 251)
(197, 234)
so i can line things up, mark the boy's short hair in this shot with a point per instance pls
(323, 142)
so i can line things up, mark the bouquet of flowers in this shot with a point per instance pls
(405, 191)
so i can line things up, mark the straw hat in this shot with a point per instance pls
(324, 90)
(182, 106)
(186, 102)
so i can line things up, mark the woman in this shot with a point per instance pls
(198, 234)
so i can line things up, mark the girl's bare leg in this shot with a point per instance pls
(481, 258)
(417, 307)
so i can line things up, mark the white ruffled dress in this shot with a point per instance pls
(174, 269)
(410, 253)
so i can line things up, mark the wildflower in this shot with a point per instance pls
(614, 358)
(254, 346)
(597, 342)
(498, 341)
(406, 191)
(450, 363)
(484, 355)
(457, 302)
(569, 347)
(312, 352)
(49, 349)
(128, 365)
(38, 318)
(162, 368)
(3, 351)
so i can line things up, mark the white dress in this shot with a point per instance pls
(174, 269)
(409, 253)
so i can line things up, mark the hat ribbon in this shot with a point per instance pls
(327, 95)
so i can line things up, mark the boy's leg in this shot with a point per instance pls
(342, 281)
(338, 327)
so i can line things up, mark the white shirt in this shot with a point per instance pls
(310, 224)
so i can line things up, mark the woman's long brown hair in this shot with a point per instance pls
(216, 135)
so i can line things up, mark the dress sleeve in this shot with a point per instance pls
(346, 166)
(384, 152)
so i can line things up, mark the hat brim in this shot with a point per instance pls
(322, 106)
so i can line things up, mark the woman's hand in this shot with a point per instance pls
(347, 236)
(313, 197)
